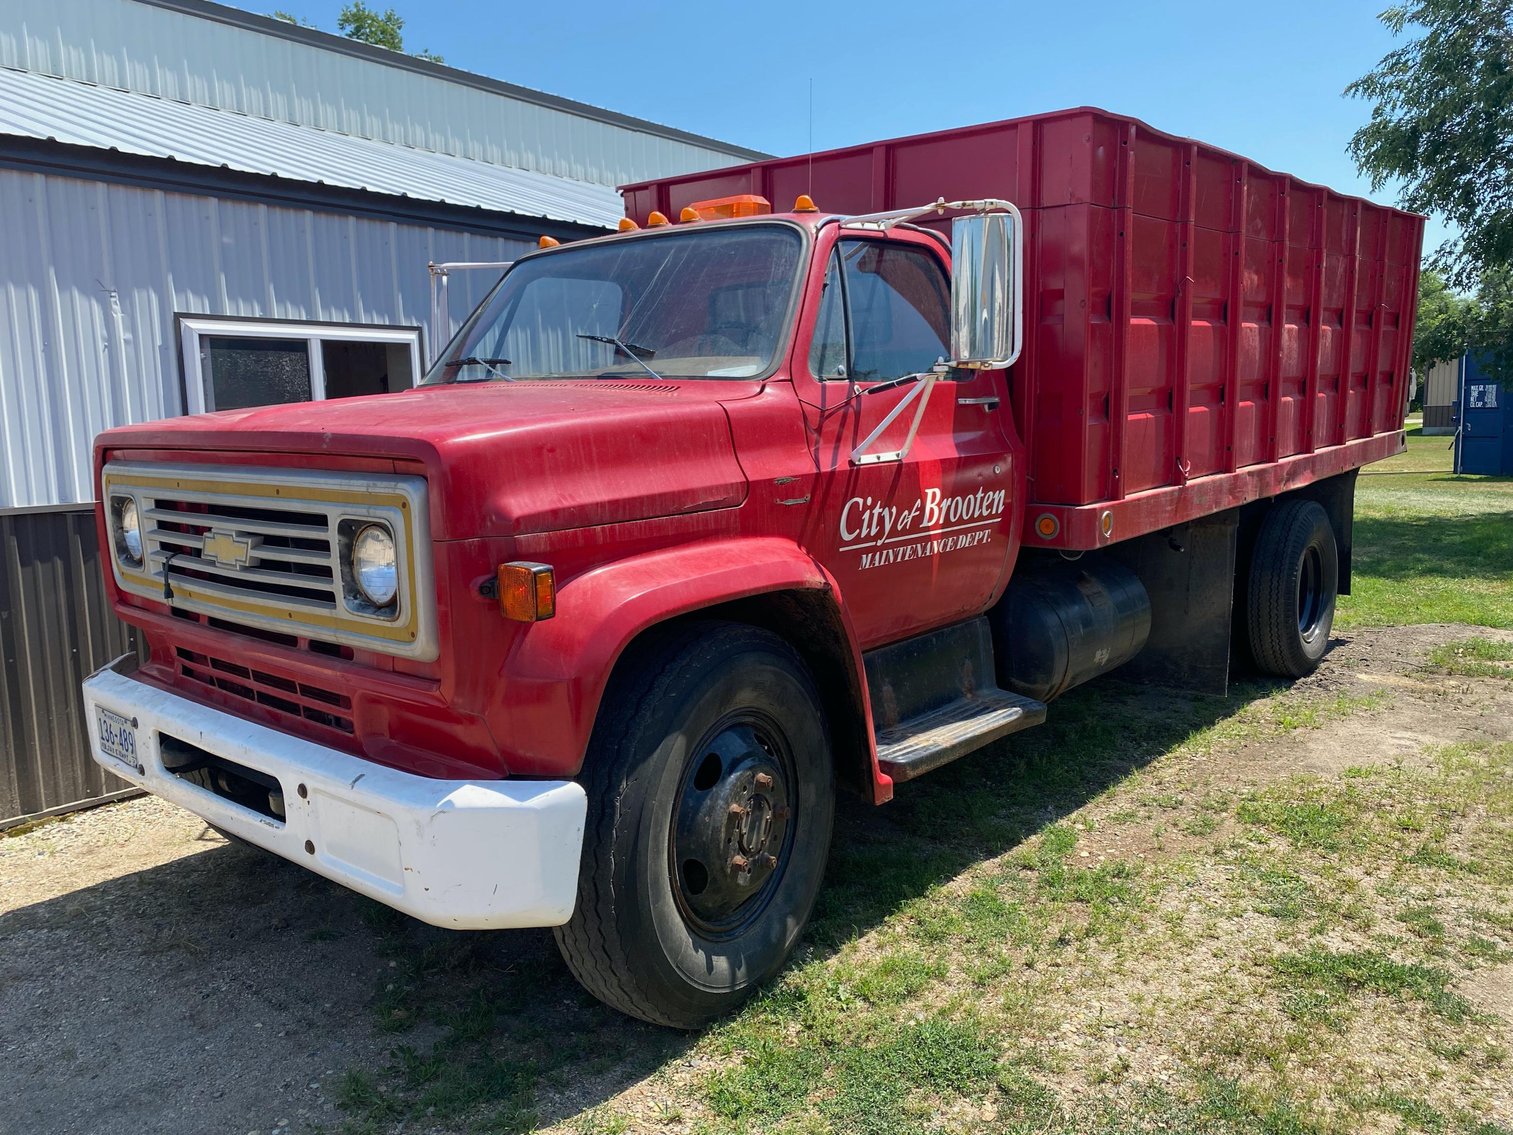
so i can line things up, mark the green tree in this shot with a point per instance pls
(1442, 329)
(1491, 322)
(1443, 123)
(366, 25)
(360, 22)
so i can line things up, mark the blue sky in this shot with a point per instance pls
(1264, 80)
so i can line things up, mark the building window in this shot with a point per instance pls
(232, 364)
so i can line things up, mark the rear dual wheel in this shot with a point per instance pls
(710, 806)
(1292, 587)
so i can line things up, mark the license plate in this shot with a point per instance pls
(118, 737)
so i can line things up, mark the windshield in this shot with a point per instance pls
(708, 303)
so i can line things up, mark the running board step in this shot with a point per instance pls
(924, 743)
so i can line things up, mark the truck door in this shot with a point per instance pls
(922, 541)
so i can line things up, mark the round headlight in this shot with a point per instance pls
(374, 566)
(130, 531)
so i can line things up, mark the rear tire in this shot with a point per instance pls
(710, 805)
(1294, 579)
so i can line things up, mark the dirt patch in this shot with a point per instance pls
(155, 978)
(1491, 991)
(1420, 711)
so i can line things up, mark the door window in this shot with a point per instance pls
(885, 313)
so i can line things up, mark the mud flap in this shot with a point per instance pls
(1189, 572)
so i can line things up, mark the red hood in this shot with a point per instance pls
(504, 458)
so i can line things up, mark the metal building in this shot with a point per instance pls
(206, 208)
(1442, 396)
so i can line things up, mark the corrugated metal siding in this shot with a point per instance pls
(1439, 419)
(55, 628)
(62, 110)
(1442, 387)
(182, 57)
(94, 272)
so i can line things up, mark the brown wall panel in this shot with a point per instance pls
(55, 628)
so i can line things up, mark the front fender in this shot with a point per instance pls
(555, 674)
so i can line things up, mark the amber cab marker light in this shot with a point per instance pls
(724, 208)
(689, 215)
(548, 242)
(656, 220)
(527, 592)
(628, 226)
(805, 204)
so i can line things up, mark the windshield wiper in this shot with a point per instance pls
(476, 360)
(632, 351)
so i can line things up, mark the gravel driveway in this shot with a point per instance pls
(155, 978)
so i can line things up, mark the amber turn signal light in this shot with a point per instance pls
(527, 592)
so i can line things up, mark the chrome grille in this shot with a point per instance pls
(290, 554)
(269, 548)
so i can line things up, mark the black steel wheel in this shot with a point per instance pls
(711, 801)
(1291, 589)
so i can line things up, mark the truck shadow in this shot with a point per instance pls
(252, 980)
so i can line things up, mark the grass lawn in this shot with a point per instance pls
(1411, 566)
(1158, 912)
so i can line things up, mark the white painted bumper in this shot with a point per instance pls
(455, 853)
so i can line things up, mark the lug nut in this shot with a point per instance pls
(763, 781)
(768, 861)
(740, 863)
(737, 812)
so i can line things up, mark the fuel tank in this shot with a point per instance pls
(1062, 622)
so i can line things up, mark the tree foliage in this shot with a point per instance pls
(1442, 329)
(381, 29)
(1491, 322)
(367, 25)
(1443, 123)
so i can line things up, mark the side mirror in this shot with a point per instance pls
(987, 306)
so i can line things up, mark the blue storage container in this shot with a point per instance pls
(1485, 441)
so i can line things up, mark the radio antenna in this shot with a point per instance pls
(810, 186)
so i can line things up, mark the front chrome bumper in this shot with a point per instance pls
(460, 854)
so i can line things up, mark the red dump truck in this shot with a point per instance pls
(694, 524)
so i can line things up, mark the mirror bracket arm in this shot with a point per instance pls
(891, 217)
(920, 395)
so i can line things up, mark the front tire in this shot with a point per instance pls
(1294, 580)
(710, 806)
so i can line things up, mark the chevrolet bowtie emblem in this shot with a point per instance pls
(226, 549)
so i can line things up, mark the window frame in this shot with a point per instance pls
(843, 238)
(788, 337)
(198, 391)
